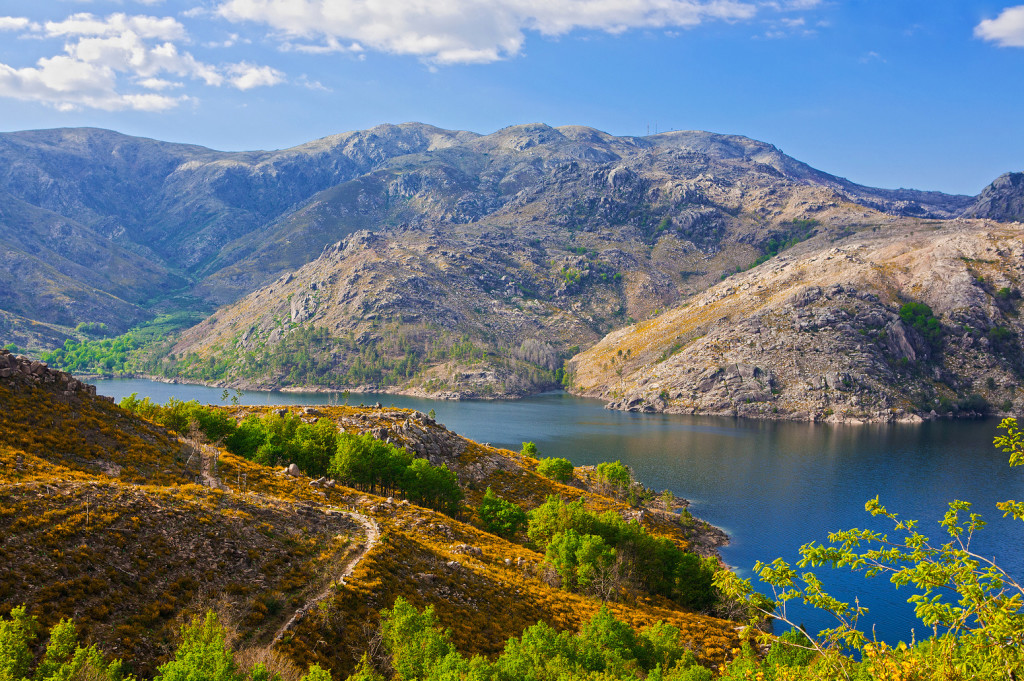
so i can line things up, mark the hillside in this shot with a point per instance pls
(478, 269)
(131, 528)
(403, 257)
(915, 319)
(1003, 200)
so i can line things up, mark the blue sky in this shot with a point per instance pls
(890, 93)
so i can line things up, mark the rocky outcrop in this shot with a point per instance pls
(1003, 200)
(18, 371)
(823, 334)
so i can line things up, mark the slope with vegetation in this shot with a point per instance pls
(133, 525)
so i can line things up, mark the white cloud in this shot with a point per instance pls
(102, 52)
(313, 84)
(1006, 30)
(84, 24)
(245, 76)
(69, 84)
(466, 31)
(227, 42)
(128, 53)
(793, 5)
(159, 84)
(14, 24)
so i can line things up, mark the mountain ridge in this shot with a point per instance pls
(411, 257)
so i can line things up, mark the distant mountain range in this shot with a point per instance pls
(406, 256)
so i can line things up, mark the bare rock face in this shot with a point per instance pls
(1003, 200)
(823, 334)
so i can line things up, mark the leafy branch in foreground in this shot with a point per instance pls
(972, 605)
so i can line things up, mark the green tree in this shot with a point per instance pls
(202, 655)
(416, 645)
(63, 659)
(972, 605)
(314, 445)
(16, 637)
(499, 516)
(556, 468)
(316, 673)
(578, 558)
(920, 317)
(555, 516)
(529, 449)
(615, 476)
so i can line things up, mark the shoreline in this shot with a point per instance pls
(905, 418)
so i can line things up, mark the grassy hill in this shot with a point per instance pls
(103, 521)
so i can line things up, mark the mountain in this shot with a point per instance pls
(138, 218)
(921, 318)
(1003, 200)
(406, 257)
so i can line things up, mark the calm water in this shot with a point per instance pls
(771, 486)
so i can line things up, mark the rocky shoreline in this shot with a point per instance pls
(636, 405)
(904, 326)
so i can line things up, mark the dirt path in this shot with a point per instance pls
(370, 540)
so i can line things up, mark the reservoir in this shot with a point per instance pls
(772, 486)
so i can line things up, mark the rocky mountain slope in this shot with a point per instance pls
(408, 257)
(526, 244)
(1002, 200)
(131, 528)
(180, 218)
(154, 213)
(826, 333)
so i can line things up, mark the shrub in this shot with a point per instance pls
(615, 475)
(655, 565)
(63, 659)
(501, 517)
(971, 604)
(919, 316)
(555, 468)
(202, 655)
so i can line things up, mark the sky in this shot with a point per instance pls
(925, 94)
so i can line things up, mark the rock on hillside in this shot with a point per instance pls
(17, 371)
(816, 333)
(713, 190)
(1002, 200)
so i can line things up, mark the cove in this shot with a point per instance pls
(772, 486)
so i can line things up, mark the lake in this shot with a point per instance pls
(772, 486)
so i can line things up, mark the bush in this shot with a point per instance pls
(972, 606)
(655, 565)
(605, 649)
(529, 449)
(202, 655)
(501, 517)
(919, 316)
(556, 468)
(63, 659)
(616, 476)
